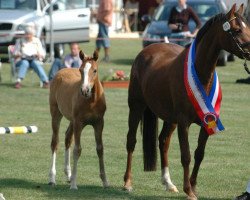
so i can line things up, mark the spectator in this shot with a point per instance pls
(130, 15)
(29, 53)
(70, 60)
(178, 23)
(104, 19)
(146, 8)
(245, 195)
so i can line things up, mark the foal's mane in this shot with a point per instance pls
(208, 24)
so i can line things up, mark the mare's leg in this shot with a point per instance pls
(68, 141)
(56, 119)
(98, 127)
(198, 156)
(185, 157)
(164, 141)
(77, 129)
(135, 115)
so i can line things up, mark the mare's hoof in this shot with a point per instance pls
(52, 184)
(192, 197)
(106, 185)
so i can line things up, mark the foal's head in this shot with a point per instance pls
(235, 36)
(89, 73)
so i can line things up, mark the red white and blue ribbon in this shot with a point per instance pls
(206, 107)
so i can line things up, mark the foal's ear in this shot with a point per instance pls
(231, 12)
(241, 9)
(81, 55)
(95, 55)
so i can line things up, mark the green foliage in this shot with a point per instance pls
(25, 159)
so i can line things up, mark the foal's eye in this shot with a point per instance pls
(95, 71)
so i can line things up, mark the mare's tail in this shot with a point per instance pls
(150, 133)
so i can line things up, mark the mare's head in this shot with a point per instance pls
(235, 33)
(89, 73)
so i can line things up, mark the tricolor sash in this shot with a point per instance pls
(206, 107)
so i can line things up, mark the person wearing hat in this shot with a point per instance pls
(29, 53)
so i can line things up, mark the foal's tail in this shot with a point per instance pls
(150, 133)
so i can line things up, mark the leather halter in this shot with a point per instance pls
(233, 33)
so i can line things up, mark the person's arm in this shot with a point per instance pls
(197, 21)
(172, 25)
(17, 49)
(67, 62)
(40, 51)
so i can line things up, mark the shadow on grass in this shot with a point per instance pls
(84, 191)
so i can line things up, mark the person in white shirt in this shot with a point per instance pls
(29, 53)
(71, 60)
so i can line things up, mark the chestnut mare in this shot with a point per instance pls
(77, 94)
(157, 90)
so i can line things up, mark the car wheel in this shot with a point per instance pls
(59, 50)
(222, 61)
(231, 58)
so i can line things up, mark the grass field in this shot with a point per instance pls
(25, 159)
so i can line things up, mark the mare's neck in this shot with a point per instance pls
(207, 53)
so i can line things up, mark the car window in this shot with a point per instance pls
(70, 4)
(204, 11)
(18, 4)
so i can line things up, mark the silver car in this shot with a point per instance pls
(70, 19)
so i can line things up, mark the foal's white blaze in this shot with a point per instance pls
(86, 77)
(166, 180)
(52, 174)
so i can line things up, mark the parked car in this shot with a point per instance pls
(70, 21)
(157, 29)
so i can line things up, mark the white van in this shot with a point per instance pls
(70, 18)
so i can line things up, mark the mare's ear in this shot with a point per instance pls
(81, 55)
(95, 55)
(241, 9)
(231, 12)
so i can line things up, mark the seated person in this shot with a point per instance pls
(70, 60)
(178, 23)
(29, 53)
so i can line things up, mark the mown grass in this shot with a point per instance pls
(25, 159)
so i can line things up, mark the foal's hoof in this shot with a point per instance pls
(105, 184)
(173, 189)
(74, 187)
(128, 188)
(52, 184)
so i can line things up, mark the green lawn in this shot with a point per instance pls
(25, 159)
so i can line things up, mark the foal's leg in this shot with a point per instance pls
(185, 158)
(164, 141)
(56, 119)
(98, 127)
(77, 129)
(68, 141)
(135, 115)
(198, 156)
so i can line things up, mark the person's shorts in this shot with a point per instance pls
(102, 37)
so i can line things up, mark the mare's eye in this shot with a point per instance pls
(95, 71)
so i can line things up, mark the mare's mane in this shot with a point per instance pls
(207, 25)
